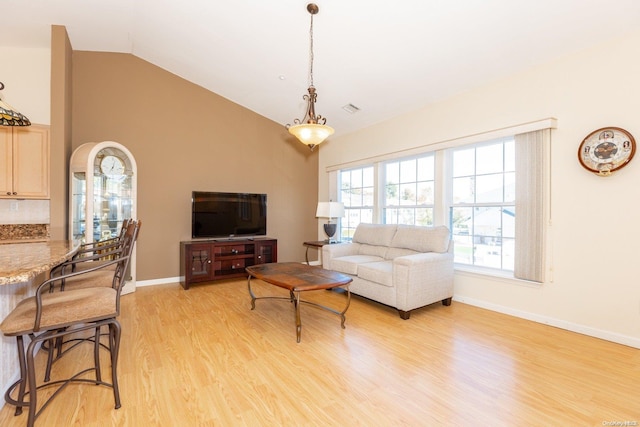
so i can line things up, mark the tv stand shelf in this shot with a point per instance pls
(210, 260)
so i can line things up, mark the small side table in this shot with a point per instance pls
(318, 244)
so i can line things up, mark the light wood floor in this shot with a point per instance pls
(202, 358)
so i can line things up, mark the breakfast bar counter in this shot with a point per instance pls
(21, 262)
(23, 266)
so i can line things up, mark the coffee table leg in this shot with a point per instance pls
(253, 297)
(342, 316)
(296, 302)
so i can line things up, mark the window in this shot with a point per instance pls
(409, 187)
(357, 195)
(482, 211)
(469, 184)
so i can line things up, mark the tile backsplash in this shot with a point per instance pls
(13, 211)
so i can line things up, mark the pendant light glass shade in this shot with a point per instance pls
(311, 134)
(9, 116)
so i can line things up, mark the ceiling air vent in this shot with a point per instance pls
(350, 108)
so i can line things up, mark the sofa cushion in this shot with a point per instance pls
(379, 272)
(394, 253)
(422, 239)
(379, 251)
(374, 234)
(349, 264)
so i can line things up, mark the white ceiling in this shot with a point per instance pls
(385, 57)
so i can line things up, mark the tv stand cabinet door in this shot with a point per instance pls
(266, 251)
(198, 263)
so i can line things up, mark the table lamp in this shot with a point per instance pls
(330, 210)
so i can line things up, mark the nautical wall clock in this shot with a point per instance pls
(606, 150)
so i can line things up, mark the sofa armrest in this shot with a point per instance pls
(422, 279)
(336, 250)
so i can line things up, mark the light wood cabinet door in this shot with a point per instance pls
(6, 161)
(25, 151)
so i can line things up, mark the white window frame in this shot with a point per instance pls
(473, 205)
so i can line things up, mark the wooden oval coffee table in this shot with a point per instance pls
(297, 278)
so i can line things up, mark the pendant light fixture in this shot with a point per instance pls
(311, 130)
(9, 116)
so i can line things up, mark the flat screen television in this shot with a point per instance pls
(228, 215)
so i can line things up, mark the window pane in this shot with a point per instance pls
(464, 162)
(424, 217)
(487, 222)
(509, 222)
(489, 188)
(356, 178)
(390, 216)
(463, 190)
(408, 194)
(408, 171)
(367, 216)
(345, 197)
(367, 196)
(391, 195)
(510, 187)
(345, 179)
(489, 159)
(426, 168)
(367, 177)
(510, 156)
(462, 221)
(508, 253)
(425, 193)
(406, 216)
(356, 197)
(463, 249)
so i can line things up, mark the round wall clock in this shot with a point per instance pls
(606, 150)
(112, 166)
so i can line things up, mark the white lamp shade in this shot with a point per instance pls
(330, 210)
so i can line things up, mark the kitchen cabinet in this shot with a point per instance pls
(24, 162)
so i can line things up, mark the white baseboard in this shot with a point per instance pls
(163, 281)
(562, 324)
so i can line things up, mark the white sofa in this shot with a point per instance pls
(402, 266)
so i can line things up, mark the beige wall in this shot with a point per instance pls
(61, 54)
(593, 235)
(186, 138)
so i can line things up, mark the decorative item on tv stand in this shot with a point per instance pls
(330, 210)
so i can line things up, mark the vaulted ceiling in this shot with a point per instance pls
(384, 57)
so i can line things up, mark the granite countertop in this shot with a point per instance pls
(21, 262)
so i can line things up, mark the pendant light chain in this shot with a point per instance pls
(311, 51)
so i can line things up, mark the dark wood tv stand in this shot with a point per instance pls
(210, 260)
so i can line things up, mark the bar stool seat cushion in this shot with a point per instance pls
(61, 309)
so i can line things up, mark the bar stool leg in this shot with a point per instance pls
(96, 354)
(114, 348)
(31, 377)
(23, 377)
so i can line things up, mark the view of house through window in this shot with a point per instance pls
(482, 212)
